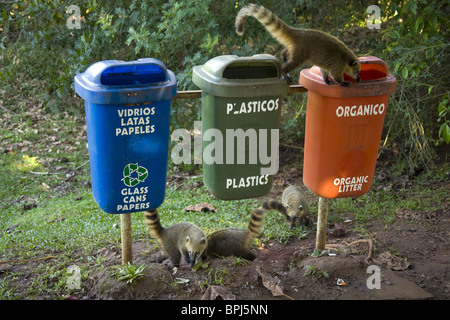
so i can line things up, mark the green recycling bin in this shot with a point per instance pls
(241, 108)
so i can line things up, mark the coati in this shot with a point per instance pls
(180, 240)
(236, 242)
(301, 45)
(297, 208)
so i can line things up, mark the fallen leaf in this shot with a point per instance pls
(57, 219)
(10, 229)
(272, 283)
(70, 297)
(201, 207)
(4, 267)
(181, 280)
(29, 206)
(215, 292)
(407, 214)
(393, 262)
(105, 253)
(338, 230)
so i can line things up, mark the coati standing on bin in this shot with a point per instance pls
(297, 208)
(301, 45)
(180, 240)
(236, 242)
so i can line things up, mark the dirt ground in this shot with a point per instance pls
(411, 258)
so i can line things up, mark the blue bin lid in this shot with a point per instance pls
(122, 82)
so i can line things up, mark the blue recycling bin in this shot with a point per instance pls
(128, 117)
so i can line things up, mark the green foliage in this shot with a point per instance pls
(315, 272)
(416, 45)
(130, 273)
(444, 115)
(39, 52)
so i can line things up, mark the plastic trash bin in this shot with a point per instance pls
(343, 129)
(127, 115)
(241, 107)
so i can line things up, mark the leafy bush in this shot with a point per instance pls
(444, 112)
(37, 49)
(416, 38)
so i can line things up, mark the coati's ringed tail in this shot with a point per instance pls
(302, 45)
(276, 27)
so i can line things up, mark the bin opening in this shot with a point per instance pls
(240, 71)
(132, 75)
(369, 72)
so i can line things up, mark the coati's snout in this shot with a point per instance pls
(294, 214)
(195, 248)
(192, 259)
(293, 222)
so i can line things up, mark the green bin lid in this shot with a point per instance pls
(234, 76)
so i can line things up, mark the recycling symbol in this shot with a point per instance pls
(133, 174)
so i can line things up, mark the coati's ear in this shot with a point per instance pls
(188, 239)
(300, 207)
(353, 63)
(203, 240)
(287, 206)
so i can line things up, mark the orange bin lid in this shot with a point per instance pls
(375, 80)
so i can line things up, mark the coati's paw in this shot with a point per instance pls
(344, 84)
(161, 257)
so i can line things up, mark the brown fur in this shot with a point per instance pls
(236, 242)
(180, 240)
(305, 45)
(296, 206)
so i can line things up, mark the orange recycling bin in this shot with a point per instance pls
(343, 129)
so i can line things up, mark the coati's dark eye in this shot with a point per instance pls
(300, 207)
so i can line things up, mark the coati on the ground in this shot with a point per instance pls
(301, 45)
(236, 242)
(180, 240)
(297, 208)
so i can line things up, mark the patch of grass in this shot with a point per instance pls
(6, 290)
(383, 204)
(238, 261)
(61, 225)
(48, 209)
(219, 277)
